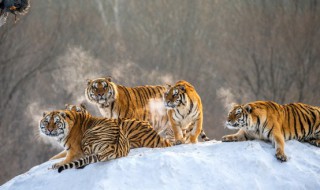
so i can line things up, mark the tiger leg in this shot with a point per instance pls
(279, 144)
(152, 139)
(315, 142)
(59, 155)
(178, 135)
(204, 136)
(109, 152)
(196, 131)
(112, 151)
(239, 136)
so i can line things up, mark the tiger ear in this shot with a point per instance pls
(83, 105)
(248, 108)
(89, 81)
(182, 88)
(66, 106)
(108, 78)
(168, 86)
(63, 114)
(44, 114)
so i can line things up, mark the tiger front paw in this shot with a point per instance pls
(281, 156)
(56, 166)
(230, 138)
(178, 142)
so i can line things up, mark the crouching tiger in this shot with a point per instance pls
(268, 120)
(88, 139)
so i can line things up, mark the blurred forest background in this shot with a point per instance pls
(231, 51)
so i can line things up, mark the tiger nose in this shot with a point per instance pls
(100, 94)
(50, 129)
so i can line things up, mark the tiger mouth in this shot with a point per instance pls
(101, 101)
(232, 126)
(170, 106)
(50, 134)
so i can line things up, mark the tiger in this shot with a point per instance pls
(184, 109)
(70, 107)
(117, 101)
(88, 139)
(267, 120)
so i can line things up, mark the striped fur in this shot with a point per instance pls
(185, 112)
(117, 101)
(277, 123)
(89, 139)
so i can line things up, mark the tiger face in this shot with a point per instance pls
(175, 96)
(55, 124)
(100, 91)
(239, 117)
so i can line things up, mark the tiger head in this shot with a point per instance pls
(56, 124)
(101, 91)
(239, 117)
(81, 108)
(176, 95)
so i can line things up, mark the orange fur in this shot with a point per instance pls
(277, 123)
(185, 112)
(89, 139)
(117, 101)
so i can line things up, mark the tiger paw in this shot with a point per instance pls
(229, 138)
(281, 156)
(55, 166)
(178, 142)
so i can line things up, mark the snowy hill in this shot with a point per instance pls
(210, 165)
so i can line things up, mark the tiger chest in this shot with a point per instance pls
(108, 112)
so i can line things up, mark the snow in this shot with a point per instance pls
(207, 165)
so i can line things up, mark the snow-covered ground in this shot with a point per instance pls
(210, 165)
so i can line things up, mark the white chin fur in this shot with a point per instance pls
(169, 108)
(101, 101)
(231, 127)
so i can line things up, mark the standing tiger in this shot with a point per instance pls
(88, 139)
(117, 101)
(185, 112)
(268, 120)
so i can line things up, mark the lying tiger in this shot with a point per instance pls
(117, 101)
(185, 112)
(88, 139)
(268, 120)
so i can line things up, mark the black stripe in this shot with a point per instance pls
(270, 131)
(136, 96)
(289, 125)
(191, 106)
(302, 129)
(180, 114)
(258, 122)
(294, 123)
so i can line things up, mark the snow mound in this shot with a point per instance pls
(209, 165)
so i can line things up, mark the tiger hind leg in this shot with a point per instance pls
(203, 136)
(315, 142)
